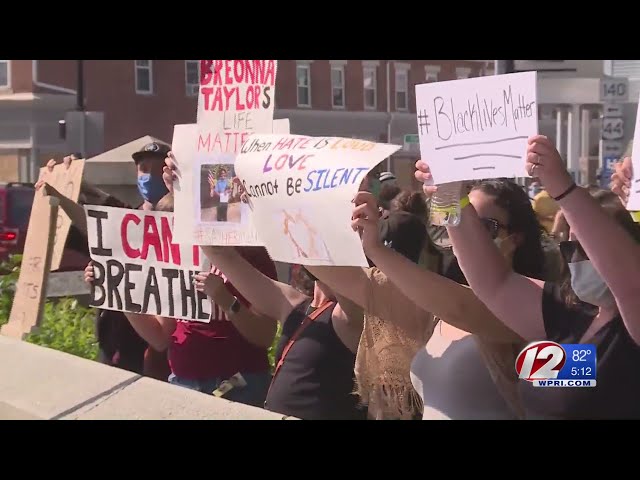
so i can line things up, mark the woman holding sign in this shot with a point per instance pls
(599, 304)
(454, 373)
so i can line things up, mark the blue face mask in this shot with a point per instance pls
(151, 188)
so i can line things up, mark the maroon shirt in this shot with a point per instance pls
(201, 351)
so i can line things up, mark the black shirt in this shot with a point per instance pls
(315, 381)
(617, 391)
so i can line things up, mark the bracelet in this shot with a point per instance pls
(566, 192)
(464, 201)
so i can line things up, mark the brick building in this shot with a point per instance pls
(370, 99)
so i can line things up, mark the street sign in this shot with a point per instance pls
(612, 148)
(614, 90)
(412, 142)
(612, 128)
(612, 110)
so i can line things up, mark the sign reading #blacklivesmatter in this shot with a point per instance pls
(236, 99)
(477, 128)
(140, 269)
(300, 190)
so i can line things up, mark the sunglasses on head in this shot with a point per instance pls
(493, 226)
(572, 251)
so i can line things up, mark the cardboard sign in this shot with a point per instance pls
(634, 193)
(139, 268)
(208, 207)
(477, 128)
(300, 190)
(29, 298)
(67, 182)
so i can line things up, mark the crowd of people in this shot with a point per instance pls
(432, 328)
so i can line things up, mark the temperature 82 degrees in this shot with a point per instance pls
(547, 360)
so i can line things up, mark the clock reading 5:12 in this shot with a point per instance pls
(580, 371)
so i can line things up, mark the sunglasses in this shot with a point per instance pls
(493, 226)
(572, 251)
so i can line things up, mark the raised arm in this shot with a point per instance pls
(349, 282)
(268, 297)
(454, 303)
(514, 299)
(596, 230)
(253, 326)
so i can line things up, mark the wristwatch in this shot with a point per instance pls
(235, 306)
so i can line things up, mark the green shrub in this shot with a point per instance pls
(9, 272)
(66, 325)
(274, 345)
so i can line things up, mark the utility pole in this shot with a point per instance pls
(80, 107)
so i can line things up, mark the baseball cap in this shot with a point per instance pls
(386, 176)
(157, 149)
(404, 232)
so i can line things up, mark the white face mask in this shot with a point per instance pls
(589, 286)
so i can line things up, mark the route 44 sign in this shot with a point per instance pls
(612, 128)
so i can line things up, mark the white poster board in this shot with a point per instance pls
(236, 98)
(139, 268)
(634, 193)
(477, 128)
(184, 150)
(300, 190)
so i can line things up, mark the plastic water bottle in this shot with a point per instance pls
(445, 205)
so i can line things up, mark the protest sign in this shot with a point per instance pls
(67, 181)
(634, 193)
(28, 301)
(300, 191)
(236, 99)
(194, 188)
(139, 268)
(477, 128)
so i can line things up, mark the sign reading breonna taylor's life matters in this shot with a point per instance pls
(236, 99)
(203, 193)
(477, 128)
(300, 191)
(139, 268)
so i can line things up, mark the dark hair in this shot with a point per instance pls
(388, 192)
(529, 258)
(411, 202)
(611, 204)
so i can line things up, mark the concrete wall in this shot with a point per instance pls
(41, 384)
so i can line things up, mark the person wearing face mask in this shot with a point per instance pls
(598, 303)
(149, 162)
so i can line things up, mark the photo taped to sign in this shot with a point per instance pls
(477, 128)
(139, 267)
(301, 189)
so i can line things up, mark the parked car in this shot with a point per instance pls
(16, 200)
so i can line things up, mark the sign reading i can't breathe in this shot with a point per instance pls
(139, 268)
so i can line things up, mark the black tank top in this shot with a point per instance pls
(316, 380)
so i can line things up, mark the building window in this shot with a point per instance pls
(402, 89)
(337, 87)
(370, 87)
(463, 72)
(303, 73)
(4, 73)
(192, 77)
(431, 73)
(144, 76)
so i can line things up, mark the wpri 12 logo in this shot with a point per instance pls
(550, 364)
